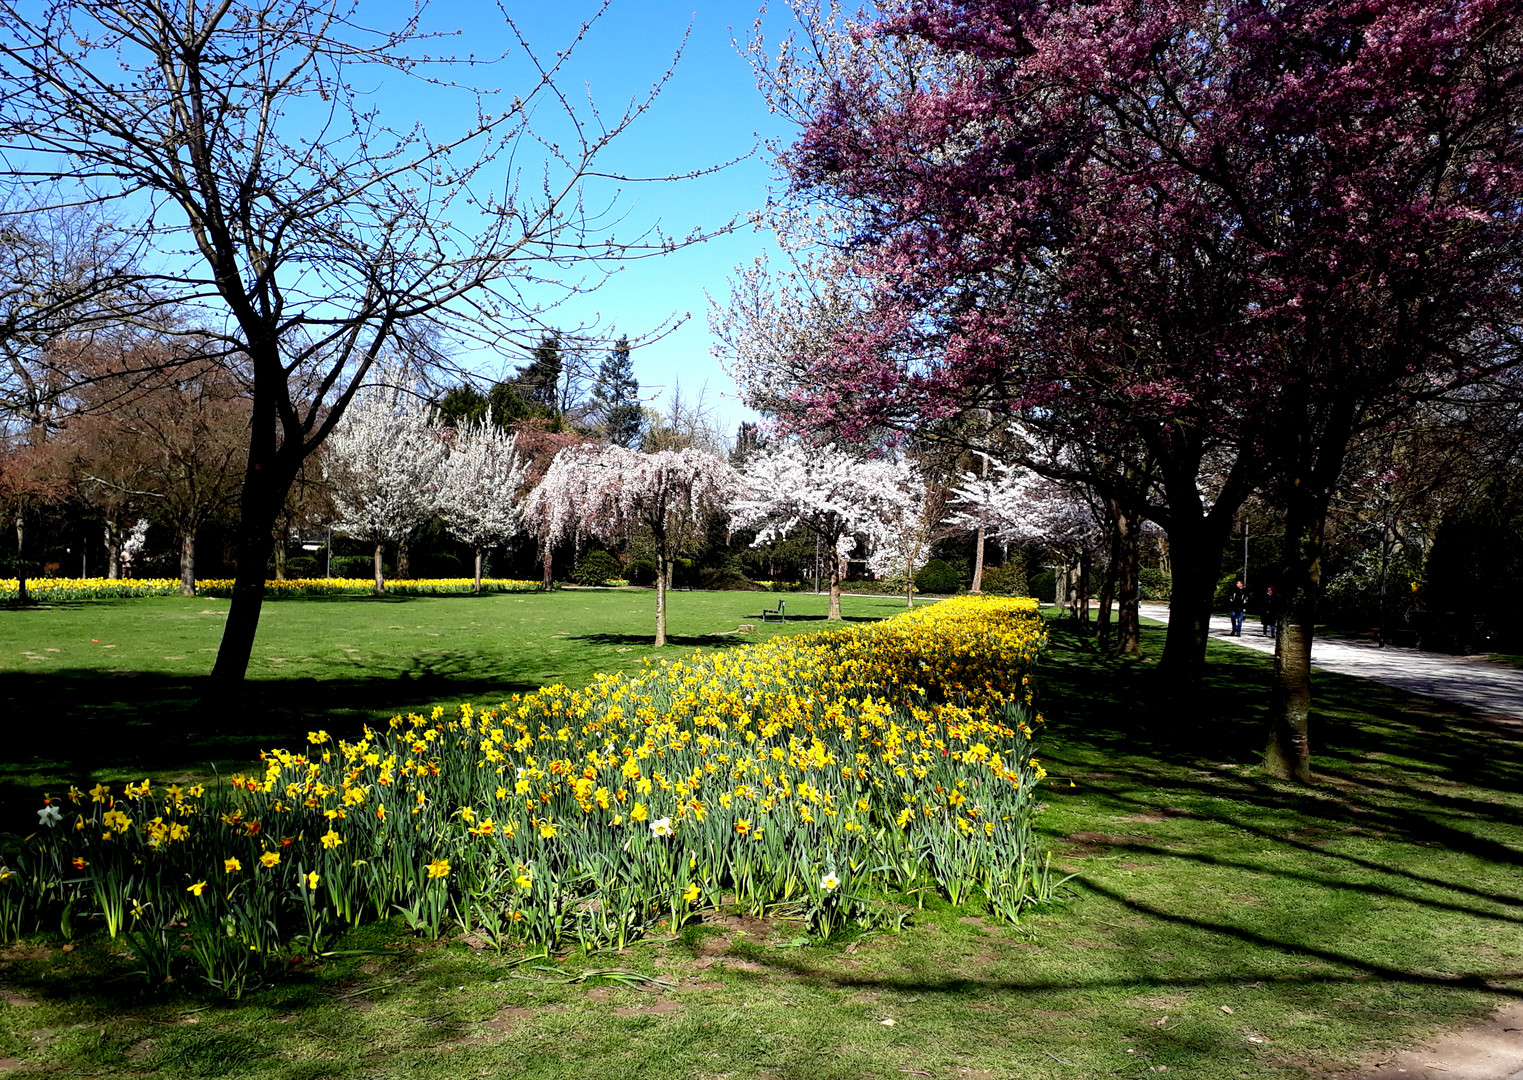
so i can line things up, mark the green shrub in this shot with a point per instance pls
(596, 567)
(938, 576)
(1154, 583)
(640, 572)
(1041, 586)
(357, 566)
(1007, 580)
(302, 566)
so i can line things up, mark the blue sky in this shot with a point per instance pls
(709, 112)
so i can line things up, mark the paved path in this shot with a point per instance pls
(1468, 680)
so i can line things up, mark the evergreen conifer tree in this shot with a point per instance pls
(617, 396)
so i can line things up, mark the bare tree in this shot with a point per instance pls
(301, 235)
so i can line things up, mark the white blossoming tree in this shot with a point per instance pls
(901, 536)
(479, 489)
(384, 464)
(608, 492)
(823, 490)
(1017, 505)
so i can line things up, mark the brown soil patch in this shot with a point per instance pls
(10, 997)
(702, 986)
(660, 1007)
(1491, 1050)
(735, 963)
(599, 993)
(11, 1065)
(508, 1019)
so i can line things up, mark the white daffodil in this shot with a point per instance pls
(830, 882)
(49, 816)
(662, 826)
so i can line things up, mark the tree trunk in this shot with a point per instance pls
(1128, 559)
(404, 563)
(380, 582)
(835, 585)
(1083, 587)
(977, 587)
(188, 564)
(1288, 754)
(262, 498)
(1107, 594)
(267, 479)
(1197, 565)
(477, 589)
(1314, 473)
(22, 596)
(113, 551)
(547, 562)
(661, 568)
(280, 556)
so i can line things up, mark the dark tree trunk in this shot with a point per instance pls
(1195, 551)
(404, 561)
(267, 481)
(1107, 587)
(22, 596)
(547, 563)
(280, 556)
(1083, 587)
(254, 543)
(1316, 459)
(188, 564)
(1128, 559)
(113, 551)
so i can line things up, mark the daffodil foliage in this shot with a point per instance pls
(793, 773)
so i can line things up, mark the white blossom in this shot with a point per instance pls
(384, 463)
(478, 488)
(830, 493)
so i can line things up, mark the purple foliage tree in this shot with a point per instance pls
(1233, 233)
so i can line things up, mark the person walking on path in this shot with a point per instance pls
(1270, 615)
(1237, 607)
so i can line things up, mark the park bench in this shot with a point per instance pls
(767, 613)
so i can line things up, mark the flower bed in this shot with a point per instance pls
(807, 772)
(108, 589)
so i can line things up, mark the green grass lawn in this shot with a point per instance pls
(113, 689)
(1222, 924)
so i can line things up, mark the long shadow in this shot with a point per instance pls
(646, 641)
(1384, 759)
(75, 722)
(963, 985)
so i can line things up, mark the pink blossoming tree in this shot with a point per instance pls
(608, 492)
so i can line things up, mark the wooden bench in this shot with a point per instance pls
(767, 613)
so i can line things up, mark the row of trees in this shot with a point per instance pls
(153, 431)
(1196, 252)
(238, 171)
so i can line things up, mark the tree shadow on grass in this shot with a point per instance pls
(1415, 806)
(77, 722)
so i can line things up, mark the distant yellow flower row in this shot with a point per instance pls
(109, 589)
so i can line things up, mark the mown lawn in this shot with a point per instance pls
(1221, 924)
(112, 689)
